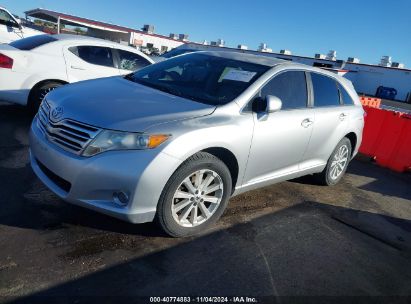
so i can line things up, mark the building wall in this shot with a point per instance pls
(367, 79)
(141, 39)
(109, 35)
(137, 39)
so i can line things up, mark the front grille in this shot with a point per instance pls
(72, 136)
(60, 182)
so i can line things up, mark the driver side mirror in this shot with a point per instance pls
(268, 104)
(274, 103)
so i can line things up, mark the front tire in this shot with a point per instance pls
(337, 164)
(195, 196)
(38, 94)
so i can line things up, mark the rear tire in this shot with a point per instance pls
(337, 164)
(38, 94)
(195, 196)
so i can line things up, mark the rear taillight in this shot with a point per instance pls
(5, 62)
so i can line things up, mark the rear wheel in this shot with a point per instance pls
(195, 196)
(337, 164)
(38, 94)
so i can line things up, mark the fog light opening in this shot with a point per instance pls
(121, 198)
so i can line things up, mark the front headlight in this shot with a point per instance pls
(114, 140)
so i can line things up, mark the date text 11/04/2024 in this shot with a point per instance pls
(203, 300)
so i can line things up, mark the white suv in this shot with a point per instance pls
(32, 67)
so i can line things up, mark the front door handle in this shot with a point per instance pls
(342, 116)
(75, 67)
(307, 122)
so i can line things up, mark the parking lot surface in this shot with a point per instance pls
(293, 239)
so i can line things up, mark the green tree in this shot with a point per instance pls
(78, 30)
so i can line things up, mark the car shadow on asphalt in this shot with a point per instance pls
(383, 180)
(380, 180)
(44, 211)
(310, 249)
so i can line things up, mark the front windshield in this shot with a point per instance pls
(200, 77)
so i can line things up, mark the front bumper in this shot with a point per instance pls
(91, 181)
(12, 87)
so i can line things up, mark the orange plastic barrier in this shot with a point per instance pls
(387, 138)
(370, 101)
(374, 122)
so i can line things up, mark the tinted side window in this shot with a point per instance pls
(6, 19)
(325, 91)
(130, 61)
(29, 43)
(346, 98)
(94, 54)
(290, 87)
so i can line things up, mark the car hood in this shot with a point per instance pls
(119, 104)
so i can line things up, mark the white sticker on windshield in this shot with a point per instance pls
(238, 75)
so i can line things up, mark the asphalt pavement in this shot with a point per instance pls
(290, 242)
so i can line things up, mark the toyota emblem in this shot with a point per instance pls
(57, 113)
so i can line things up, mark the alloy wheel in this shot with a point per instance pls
(339, 162)
(197, 198)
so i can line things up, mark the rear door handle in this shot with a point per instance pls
(307, 122)
(342, 116)
(75, 67)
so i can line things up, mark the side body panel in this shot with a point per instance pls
(328, 130)
(278, 145)
(29, 68)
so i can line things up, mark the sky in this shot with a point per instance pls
(364, 29)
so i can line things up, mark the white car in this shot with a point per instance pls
(11, 28)
(33, 66)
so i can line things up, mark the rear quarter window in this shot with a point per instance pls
(326, 92)
(345, 97)
(29, 43)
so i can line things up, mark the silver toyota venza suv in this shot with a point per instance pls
(173, 141)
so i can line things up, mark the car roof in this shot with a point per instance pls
(260, 59)
(69, 37)
(75, 39)
(272, 62)
(251, 58)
